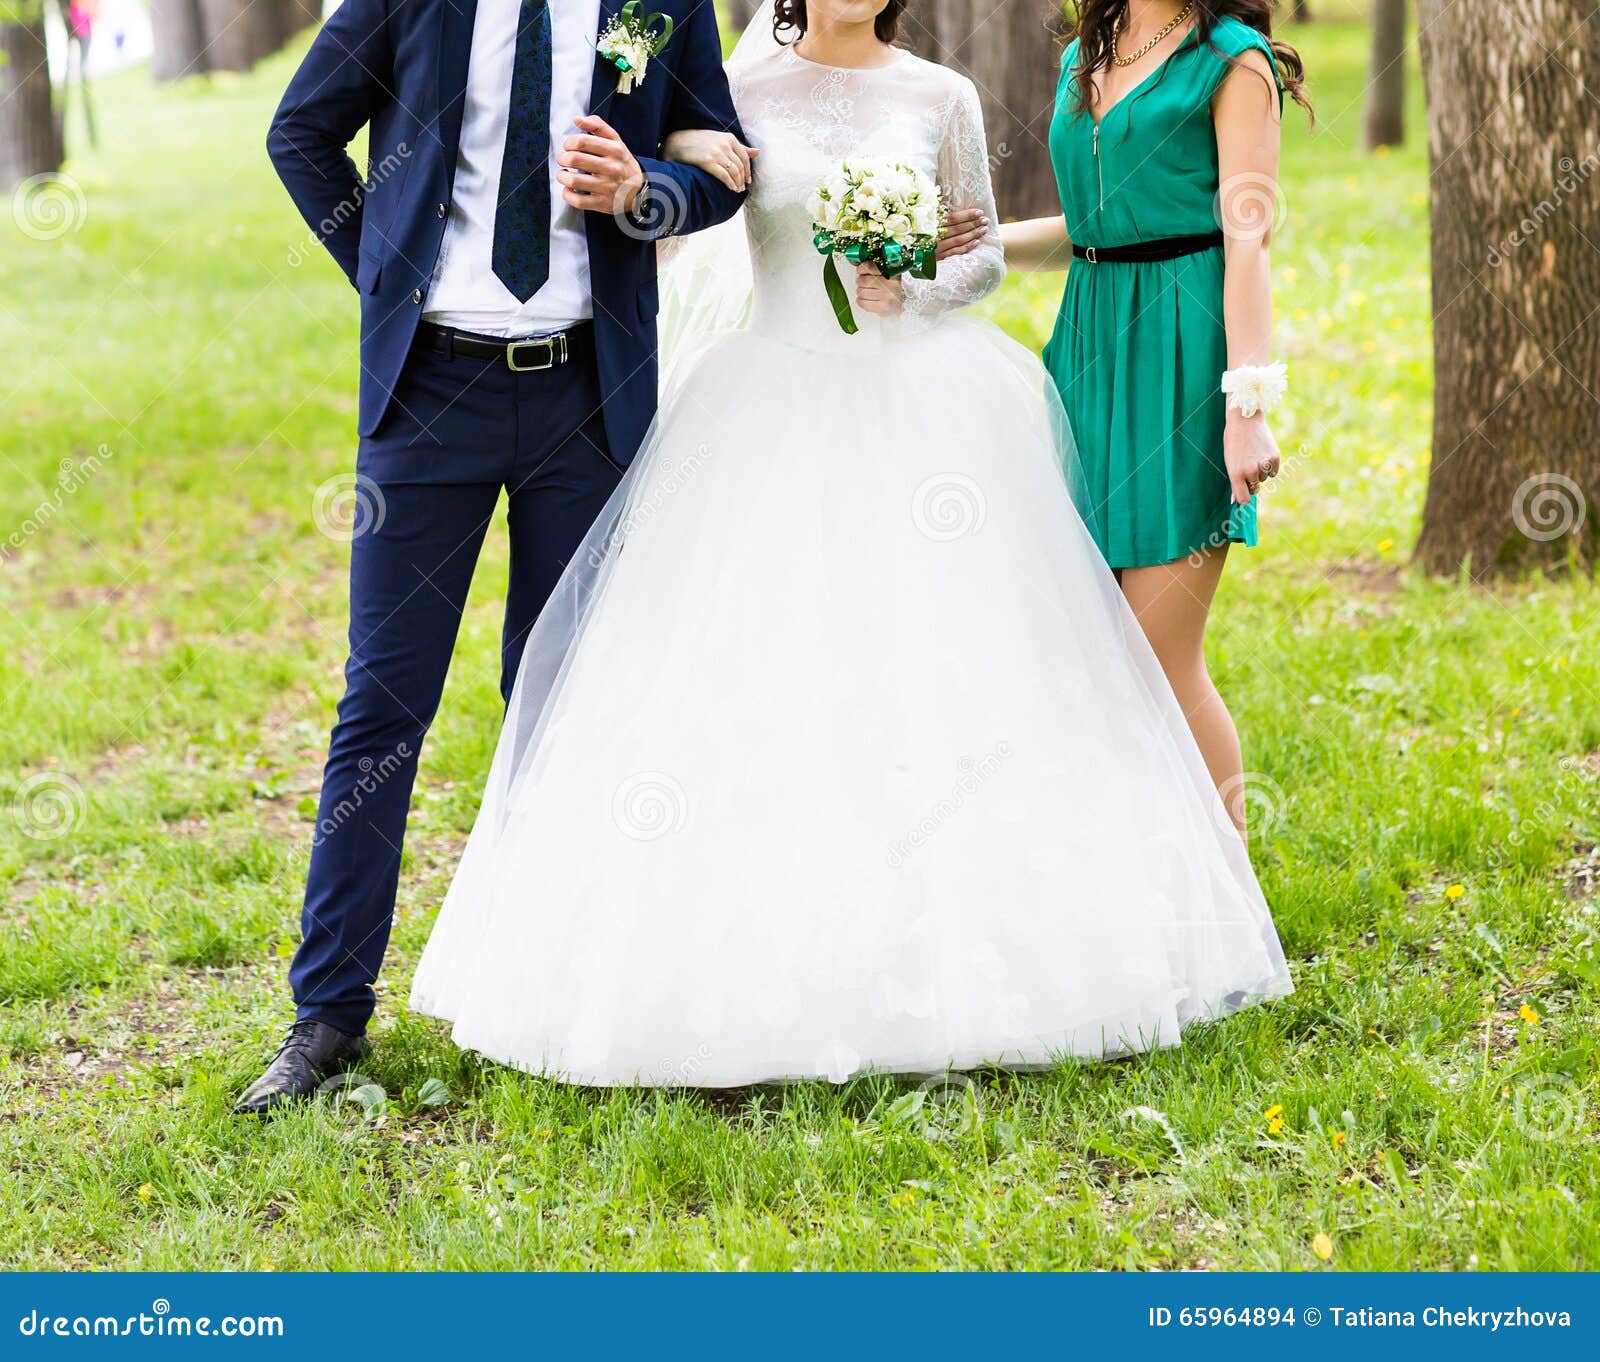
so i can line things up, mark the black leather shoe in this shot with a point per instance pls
(312, 1053)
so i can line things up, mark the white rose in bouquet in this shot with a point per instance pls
(875, 211)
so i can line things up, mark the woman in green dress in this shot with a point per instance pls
(1165, 145)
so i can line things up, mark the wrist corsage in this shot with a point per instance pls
(1256, 388)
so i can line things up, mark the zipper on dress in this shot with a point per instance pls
(1099, 168)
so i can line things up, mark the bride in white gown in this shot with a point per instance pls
(837, 750)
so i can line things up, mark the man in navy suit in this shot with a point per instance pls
(503, 245)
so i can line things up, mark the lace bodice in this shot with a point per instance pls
(806, 118)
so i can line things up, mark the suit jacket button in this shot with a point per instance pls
(416, 295)
(444, 210)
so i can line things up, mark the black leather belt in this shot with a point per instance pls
(1148, 252)
(520, 356)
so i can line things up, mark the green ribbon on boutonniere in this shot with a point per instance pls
(629, 42)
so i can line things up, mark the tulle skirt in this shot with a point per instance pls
(838, 751)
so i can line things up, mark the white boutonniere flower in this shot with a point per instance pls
(629, 42)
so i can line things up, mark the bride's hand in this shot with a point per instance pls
(964, 228)
(877, 295)
(1250, 452)
(717, 153)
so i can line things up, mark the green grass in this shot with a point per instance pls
(1426, 754)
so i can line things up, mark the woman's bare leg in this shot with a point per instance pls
(1172, 604)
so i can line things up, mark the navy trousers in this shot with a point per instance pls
(459, 431)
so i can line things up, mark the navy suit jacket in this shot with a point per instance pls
(399, 68)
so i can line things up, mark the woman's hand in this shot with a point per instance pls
(875, 294)
(720, 154)
(1250, 453)
(964, 228)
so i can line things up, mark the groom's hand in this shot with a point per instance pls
(596, 170)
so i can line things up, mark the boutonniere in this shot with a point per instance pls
(630, 41)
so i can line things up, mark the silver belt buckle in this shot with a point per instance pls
(1092, 255)
(555, 352)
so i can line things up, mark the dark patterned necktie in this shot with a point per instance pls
(522, 217)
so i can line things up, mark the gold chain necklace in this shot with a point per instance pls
(1178, 19)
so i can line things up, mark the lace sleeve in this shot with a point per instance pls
(964, 178)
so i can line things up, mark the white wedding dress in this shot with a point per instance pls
(838, 750)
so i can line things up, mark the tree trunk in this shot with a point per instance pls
(1007, 47)
(1512, 90)
(1301, 13)
(180, 44)
(742, 11)
(304, 14)
(272, 21)
(233, 33)
(30, 136)
(1386, 90)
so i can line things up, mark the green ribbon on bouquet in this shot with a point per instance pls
(894, 258)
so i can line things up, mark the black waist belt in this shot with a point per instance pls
(520, 356)
(1148, 252)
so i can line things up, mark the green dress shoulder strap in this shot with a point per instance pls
(1233, 38)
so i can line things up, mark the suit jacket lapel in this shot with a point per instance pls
(605, 74)
(455, 52)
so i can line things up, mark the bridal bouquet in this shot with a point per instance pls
(875, 211)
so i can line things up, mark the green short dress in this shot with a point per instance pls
(1139, 349)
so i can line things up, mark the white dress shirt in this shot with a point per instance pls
(465, 291)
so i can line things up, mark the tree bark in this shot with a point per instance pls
(1512, 90)
(303, 14)
(30, 136)
(233, 33)
(1386, 88)
(1008, 48)
(272, 22)
(179, 39)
